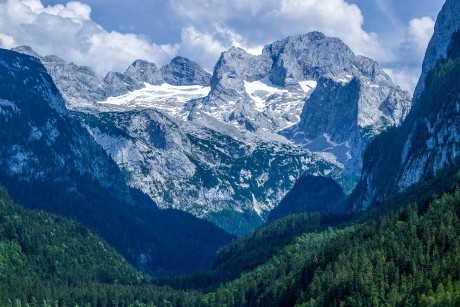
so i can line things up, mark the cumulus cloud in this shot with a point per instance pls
(259, 22)
(206, 47)
(68, 31)
(252, 24)
(409, 51)
(201, 47)
(419, 33)
(202, 29)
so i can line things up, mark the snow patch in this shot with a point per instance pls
(308, 85)
(260, 90)
(344, 79)
(166, 97)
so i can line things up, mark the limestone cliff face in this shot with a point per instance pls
(429, 138)
(182, 71)
(447, 23)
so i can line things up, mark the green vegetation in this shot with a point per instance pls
(403, 252)
(240, 223)
(437, 108)
(405, 258)
(260, 245)
(408, 257)
(38, 250)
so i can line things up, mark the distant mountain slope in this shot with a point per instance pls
(229, 147)
(312, 89)
(81, 87)
(233, 182)
(49, 161)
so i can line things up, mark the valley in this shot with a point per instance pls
(299, 176)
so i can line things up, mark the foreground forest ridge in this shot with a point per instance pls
(73, 232)
(407, 256)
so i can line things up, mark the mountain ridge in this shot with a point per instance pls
(274, 101)
(428, 139)
(49, 161)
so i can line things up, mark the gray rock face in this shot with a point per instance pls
(446, 24)
(144, 72)
(232, 181)
(268, 92)
(82, 88)
(355, 102)
(309, 56)
(182, 71)
(323, 129)
(78, 84)
(231, 70)
(429, 139)
(118, 84)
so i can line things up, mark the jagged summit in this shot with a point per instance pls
(301, 83)
(116, 83)
(27, 50)
(182, 71)
(82, 88)
(308, 56)
(143, 71)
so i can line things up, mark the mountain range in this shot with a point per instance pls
(228, 147)
(344, 190)
(429, 138)
(49, 161)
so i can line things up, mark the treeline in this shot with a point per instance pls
(407, 258)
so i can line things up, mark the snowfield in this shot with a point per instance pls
(165, 97)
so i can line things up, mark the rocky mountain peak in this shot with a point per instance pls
(27, 50)
(144, 72)
(298, 77)
(236, 65)
(308, 56)
(118, 84)
(182, 71)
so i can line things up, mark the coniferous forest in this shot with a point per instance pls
(315, 249)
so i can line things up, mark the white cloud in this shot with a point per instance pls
(68, 31)
(406, 78)
(205, 47)
(6, 41)
(334, 18)
(408, 52)
(200, 47)
(253, 24)
(419, 33)
(209, 27)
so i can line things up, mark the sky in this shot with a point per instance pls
(111, 34)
